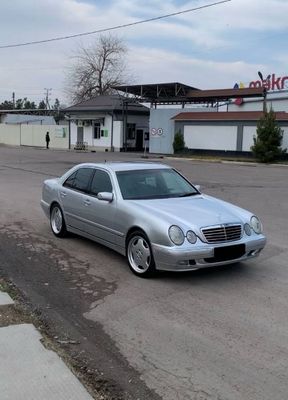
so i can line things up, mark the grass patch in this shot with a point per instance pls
(9, 288)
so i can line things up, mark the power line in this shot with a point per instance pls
(114, 27)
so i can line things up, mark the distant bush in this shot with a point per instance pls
(178, 144)
(268, 141)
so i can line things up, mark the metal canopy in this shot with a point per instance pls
(178, 93)
(157, 92)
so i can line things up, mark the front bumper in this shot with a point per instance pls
(190, 257)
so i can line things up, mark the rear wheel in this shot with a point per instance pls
(57, 221)
(139, 254)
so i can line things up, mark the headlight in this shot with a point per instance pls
(176, 235)
(256, 224)
(191, 237)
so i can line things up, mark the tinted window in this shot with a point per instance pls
(69, 182)
(80, 179)
(153, 184)
(101, 182)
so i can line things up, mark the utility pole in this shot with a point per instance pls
(47, 97)
(264, 85)
(13, 100)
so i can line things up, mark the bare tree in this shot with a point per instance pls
(96, 69)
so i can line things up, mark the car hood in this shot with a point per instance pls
(197, 211)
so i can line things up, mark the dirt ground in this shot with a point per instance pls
(21, 312)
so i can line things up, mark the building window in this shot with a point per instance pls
(131, 131)
(96, 130)
(104, 133)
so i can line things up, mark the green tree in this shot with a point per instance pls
(58, 114)
(6, 105)
(178, 144)
(42, 105)
(56, 105)
(19, 104)
(30, 105)
(268, 141)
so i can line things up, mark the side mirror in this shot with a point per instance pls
(105, 196)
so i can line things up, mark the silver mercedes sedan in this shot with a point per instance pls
(151, 214)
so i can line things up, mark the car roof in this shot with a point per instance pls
(127, 166)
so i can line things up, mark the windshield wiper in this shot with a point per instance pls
(188, 194)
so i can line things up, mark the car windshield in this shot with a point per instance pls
(153, 184)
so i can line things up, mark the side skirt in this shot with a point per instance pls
(112, 246)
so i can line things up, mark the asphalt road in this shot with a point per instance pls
(213, 334)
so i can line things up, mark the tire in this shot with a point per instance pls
(57, 221)
(139, 255)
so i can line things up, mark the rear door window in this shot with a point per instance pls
(80, 179)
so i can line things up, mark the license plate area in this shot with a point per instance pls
(227, 253)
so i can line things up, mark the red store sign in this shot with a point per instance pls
(273, 83)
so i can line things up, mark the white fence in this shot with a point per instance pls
(34, 135)
(223, 137)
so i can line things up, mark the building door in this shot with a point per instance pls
(80, 134)
(139, 140)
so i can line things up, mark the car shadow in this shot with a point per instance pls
(227, 272)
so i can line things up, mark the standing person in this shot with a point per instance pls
(47, 140)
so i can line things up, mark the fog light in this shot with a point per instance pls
(183, 262)
(191, 237)
(247, 229)
(254, 253)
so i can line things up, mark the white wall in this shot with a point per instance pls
(118, 135)
(104, 143)
(285, 138)
(248, 133)
(246, 106)
(88, 134)
(161, 118)
(210, 137)
(10, 134)
(273, 100)
(34, 135)
(160, 121)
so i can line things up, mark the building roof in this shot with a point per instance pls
(216, 95)
(226, 116)
(108, 104)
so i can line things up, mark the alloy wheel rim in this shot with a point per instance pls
(56, 220)
(139, 254)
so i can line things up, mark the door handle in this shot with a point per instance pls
(87, 202)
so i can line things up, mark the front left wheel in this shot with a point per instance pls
(57, 221)
(139, 254)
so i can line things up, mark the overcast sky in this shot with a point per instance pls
(210, 48)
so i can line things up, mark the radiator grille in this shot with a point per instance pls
(222, 233)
